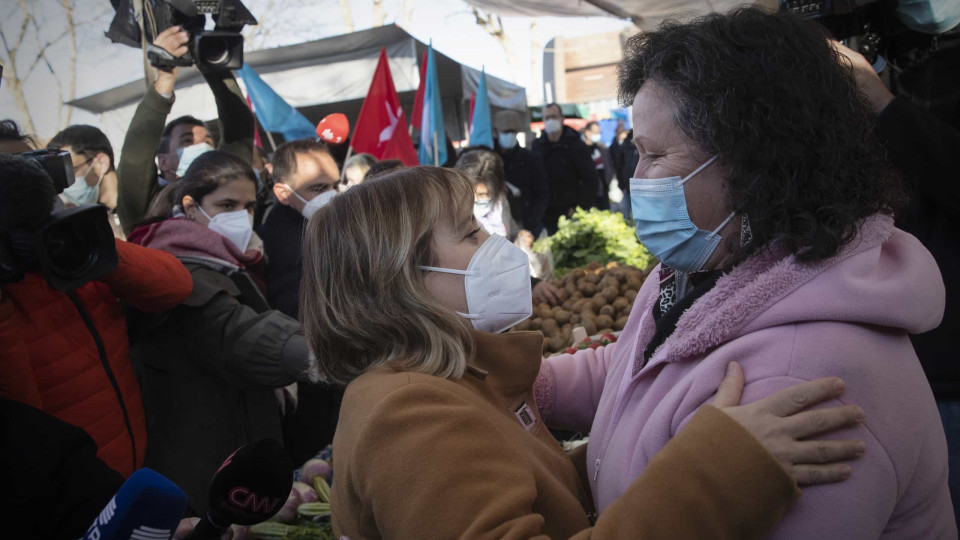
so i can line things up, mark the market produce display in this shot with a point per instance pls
(593, 236)
(598, 298)
(306, 514)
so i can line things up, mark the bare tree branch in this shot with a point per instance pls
(71, 29)
(406, 12)
(379, 13)
(494, 26)
(347, 15)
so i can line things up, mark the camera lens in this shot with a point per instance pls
(215, 51)
(70, 250)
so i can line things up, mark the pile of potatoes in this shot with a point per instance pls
(598, 298)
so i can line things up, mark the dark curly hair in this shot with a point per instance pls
(770, 96)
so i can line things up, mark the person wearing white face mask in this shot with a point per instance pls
(305, 179)
(600, 155)
(409, 309)
(523, 170)
(571, 173)
(213, 369)
(153, 148)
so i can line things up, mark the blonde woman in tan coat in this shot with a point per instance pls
(439, 435)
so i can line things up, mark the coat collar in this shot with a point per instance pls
(754, 286)
(508, 362)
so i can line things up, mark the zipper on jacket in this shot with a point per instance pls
(102, 351)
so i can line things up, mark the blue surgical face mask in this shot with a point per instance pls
(481, 207)
(187, 154)
(507, 140)
(664, 225)
(929, 16)
(80, 193)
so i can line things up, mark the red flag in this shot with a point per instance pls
(473, 103)
(256, 131)
(417, 115)
(381, 129)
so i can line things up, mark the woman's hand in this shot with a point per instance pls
(783, 427)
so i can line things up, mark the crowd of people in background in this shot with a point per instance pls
(195, 344)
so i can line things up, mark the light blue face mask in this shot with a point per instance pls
(929, 16)
(80, 193)
(187, 154)
(507, 140)
(664, 225)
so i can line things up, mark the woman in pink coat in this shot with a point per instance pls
(761, 189)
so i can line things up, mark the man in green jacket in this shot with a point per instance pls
(148, 138)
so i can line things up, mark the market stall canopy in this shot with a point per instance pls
(320, 77)
(645, 14)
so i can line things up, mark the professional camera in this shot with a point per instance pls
(211, 50)
(71, 248)
(905, 34)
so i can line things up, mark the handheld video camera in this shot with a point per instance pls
(218, 49)
(71, 248)
(854, 21)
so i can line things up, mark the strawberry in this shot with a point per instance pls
(595, 345)
(571, 350)
(611, 337)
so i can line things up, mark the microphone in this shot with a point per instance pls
(250, 487)
(334, 128)
(147, 507)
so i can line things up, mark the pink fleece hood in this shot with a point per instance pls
(897, 286)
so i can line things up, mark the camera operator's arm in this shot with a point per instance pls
(236, 119)
(149, 279)
(136, 171)
(924, 148)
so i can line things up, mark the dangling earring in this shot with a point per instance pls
(746, 233)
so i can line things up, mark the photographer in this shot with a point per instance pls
(177, 143)
(73, 361)
(926, 151)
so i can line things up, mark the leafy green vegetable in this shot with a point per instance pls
(593, 236)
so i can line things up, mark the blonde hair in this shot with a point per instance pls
(363, 301)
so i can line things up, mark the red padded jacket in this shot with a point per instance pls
(68, 353)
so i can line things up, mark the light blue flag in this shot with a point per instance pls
(432, 123)
(481, 132)
(275, 114)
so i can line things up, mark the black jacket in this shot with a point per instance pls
(625, 157)
(524, 170)
(208, 369)
(571, 173)
(54, 485)
(282, 235)
(926, 150)
(310, 427)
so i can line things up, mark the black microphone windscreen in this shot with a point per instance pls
(251, 485)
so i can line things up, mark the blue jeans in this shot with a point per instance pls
(950, 416)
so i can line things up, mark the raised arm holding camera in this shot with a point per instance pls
(175, 144)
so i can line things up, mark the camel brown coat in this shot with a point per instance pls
(421, 457)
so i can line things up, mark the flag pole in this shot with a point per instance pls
(270, 138)
(436, 154)
(343, 170)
